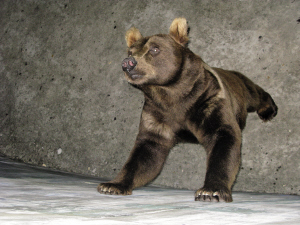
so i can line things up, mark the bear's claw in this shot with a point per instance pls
(113, 189)
(206, 195)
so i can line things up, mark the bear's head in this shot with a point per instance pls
(157, 59)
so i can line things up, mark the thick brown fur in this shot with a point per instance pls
(186, 101)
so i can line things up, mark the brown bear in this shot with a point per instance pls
(186, 101)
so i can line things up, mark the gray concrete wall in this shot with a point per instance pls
(65, 104)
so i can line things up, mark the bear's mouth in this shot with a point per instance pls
(134, 75)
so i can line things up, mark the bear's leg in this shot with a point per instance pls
(144, 164)
(223, 160)
(267, 108)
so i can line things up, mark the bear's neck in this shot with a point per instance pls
(183, 93)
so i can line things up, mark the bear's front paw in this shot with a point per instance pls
(113, 189)
(211, 195)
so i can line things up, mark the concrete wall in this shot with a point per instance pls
(65, 104)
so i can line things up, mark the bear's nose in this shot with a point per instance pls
(128, 64)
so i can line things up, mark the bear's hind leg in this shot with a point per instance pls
(267, 109)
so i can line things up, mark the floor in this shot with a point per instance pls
(30, 195)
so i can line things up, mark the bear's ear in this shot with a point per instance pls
(132, 35)
(179, 31)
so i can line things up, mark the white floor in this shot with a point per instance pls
(32, 196)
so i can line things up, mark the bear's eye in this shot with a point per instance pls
(154, 51)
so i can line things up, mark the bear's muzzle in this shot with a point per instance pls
(128, 64)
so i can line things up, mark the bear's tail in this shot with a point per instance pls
(267, 109)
